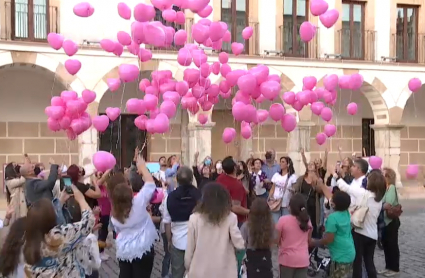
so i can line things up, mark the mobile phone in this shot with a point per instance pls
(67, 182)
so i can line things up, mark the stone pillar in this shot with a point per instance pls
(387, 146)
(299, 139)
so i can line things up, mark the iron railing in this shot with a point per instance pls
(408, 47)
(252, 46)
(291, 45)
(356, 44)
(24, 22)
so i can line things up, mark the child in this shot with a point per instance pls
(258, 233)
(338, 234)
(294, 234)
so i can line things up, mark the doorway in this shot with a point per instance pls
(368, 138)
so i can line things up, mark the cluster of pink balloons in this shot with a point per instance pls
(327, 17)
(68, 113)
(57, 41)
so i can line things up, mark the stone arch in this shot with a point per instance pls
(402, 101)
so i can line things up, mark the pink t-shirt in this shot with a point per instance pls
(104, 202)
(293, 246)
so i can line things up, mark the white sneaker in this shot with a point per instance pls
(104, 256)
(383, 271)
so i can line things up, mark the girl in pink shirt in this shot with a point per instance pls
(294, 233)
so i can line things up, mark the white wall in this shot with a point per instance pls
(25, 92)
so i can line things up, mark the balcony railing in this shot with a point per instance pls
(291, 45)
(356, 44)
(252, 46)
(408, 48)
(24, 22)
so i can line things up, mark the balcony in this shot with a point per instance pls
(290, 43)
(25, 22)
(408, 47)
(252, 46)
(356, 44)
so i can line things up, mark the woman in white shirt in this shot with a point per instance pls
(136, 233)
(365, 238)
(282, 182)
(258, 178)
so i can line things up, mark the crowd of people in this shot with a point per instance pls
(214, 219)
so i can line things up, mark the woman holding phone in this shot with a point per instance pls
(90, 193)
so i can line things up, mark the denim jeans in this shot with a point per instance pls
(167, 258)
(277, 214)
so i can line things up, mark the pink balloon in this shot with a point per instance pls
(276, 112)
(69, 47)
(330, 82)
(154, 35)
(316, 108)
(205, 12)
(88, 96)
(247, 33)
(298, 106)
(53, 125)
(246, 132)
(124, 11)
(223, 57)
(415, 85)
(57, 101)
(225, 69)
(197, 5)
(356, 81)
(352, 108)
(237, 48)
(330, 130)
(228, 135)
(288, 122)
(182, 87)
(107, 45)
(143, 12)
(168, 108)
(104, 161)
(145, 55)
(261, 72)
(375, 162)
(100, 123)
(118, 49)
(83, 9)
(227, 37)
(270, 89)
(233, 77)
(113, 84)
(65, 122)
(56, 112)
(113, 113)
(239, 111)
(55, 40)
(128, 72)
(180, 18)
(162, 123)
(344, 82)
(329, 18)
(69, 95)
(123, 38)
(180, 37)
(307, 31)
(140, 122)
(318, 7)
(144, 83)
(247, 83)
(202, 119)
(309, 82)
(151, 101)
(289, 98)
(326, 114)
(184, 57)
(72, 66)
(200, 33)
(135, 106)
(77, 126)
(320, 138)
(169, 15)
(262, 115)
(412, 171)
(162, 4)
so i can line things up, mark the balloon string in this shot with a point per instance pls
(122, 97)
(414, 105)
(111, 136)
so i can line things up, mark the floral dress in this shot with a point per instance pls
(65, 253)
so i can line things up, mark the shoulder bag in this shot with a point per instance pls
(395, 212)
(358, 216)
(274, 204)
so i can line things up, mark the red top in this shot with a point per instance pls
(236, 190)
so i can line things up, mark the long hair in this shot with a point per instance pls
(260, 224)
(291, 169)
(74, 173)
(9, 174)
(216, 203)
(315, 170)
(12, 248)
(298, 208)
(245, 170)
(390, 175)
(41, 218)
(122, 201)
(377, 184)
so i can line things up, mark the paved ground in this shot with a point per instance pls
(412, 247)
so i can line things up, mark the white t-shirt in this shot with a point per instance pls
(282, 189)
(259, 185)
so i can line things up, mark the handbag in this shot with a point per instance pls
(358, 216)
(395, 212)
(274, 204)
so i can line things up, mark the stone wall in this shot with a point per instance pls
(412, 150)
(35, 139)
(269, 136)
(165, 144)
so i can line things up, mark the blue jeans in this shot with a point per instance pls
(167, 258)
(265, 195)
(277, 214)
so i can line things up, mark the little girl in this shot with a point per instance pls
(294, 234)
(258, 233)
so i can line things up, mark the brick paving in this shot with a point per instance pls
(412, 248)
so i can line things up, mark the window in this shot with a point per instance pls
(407, 34)
(235, 14)
(295, 12)
(352, 34)
(30, 19)
(121, 139)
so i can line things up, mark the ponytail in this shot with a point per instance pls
(297, 204)
(303, 218)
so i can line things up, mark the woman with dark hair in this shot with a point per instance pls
(15, 192)
(202, 176)
(50, 250)
(11, 259)
(245, 177)
(258, 233)
(209, 229)
(294, 234)
(257, 179)
(217, 170)
(281, 190)
(91, 194)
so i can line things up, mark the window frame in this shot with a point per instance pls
(233, 26)
(30, 26)
(351, 28)
(295, 31)
(405, 58)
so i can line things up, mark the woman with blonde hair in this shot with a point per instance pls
(392, 212)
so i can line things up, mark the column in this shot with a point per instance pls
(299, 139)
(387, 146)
